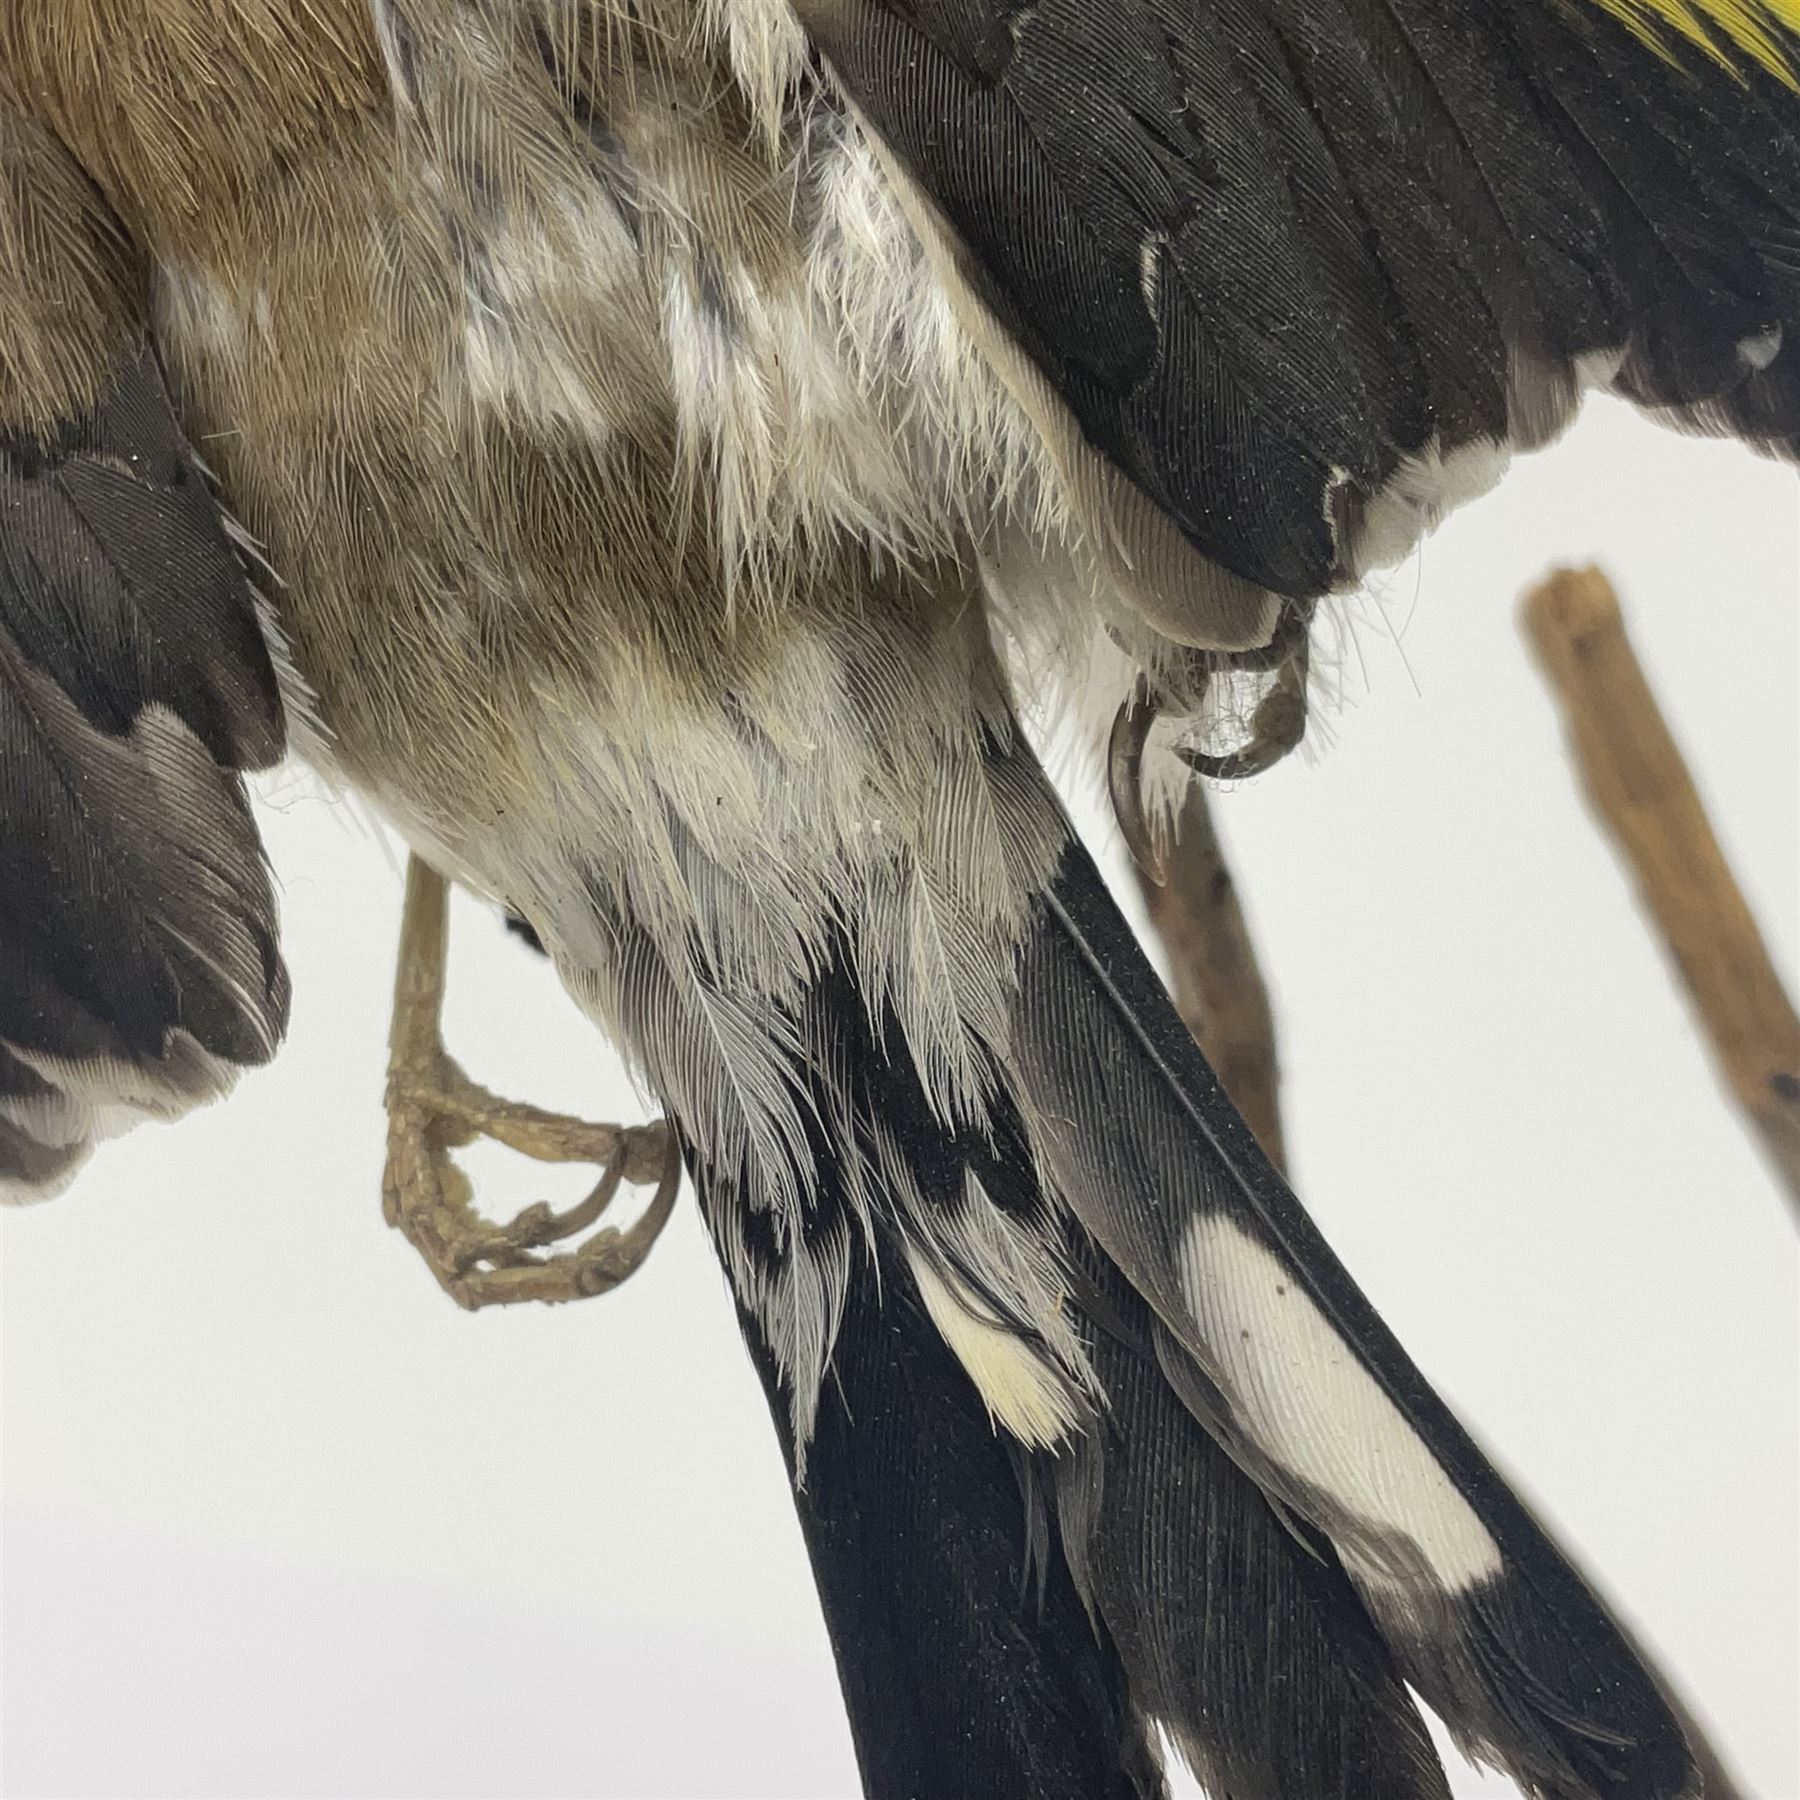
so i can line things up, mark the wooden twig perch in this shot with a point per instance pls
(1220, 992)
(1218, 986)
(1640, 787)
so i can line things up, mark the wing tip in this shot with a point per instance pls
(56, 1111)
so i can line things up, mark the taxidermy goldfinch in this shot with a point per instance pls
(633, 445)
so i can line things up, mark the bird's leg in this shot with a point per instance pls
(434, 1108)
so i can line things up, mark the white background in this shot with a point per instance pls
(280, 1520)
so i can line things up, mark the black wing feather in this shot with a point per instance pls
(139, 966)
(1271, 252)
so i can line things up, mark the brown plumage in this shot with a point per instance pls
(634, 446)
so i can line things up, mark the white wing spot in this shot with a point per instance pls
(1306, 1401)
(1758, 351)
(1419, 496)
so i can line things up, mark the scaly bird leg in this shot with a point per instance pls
(434, 1108)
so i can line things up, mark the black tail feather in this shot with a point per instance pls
(1007, 1621)
(969, 1673)
(1511, 1648)
(1239, 1628)
(1228, 1502)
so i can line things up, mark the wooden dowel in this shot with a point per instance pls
(1217, 983)
(1640, 787)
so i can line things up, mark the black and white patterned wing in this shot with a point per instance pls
(139, 966)
(1305, 272)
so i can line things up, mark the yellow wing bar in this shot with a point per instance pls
(1764, 30)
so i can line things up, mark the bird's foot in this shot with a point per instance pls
(434, 1109)
(1275, 730)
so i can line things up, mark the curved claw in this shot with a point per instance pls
(1125, 777)
(595, 1266)
(1276, 728)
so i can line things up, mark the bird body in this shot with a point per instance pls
(633, 446)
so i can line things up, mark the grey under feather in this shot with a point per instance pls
(159, 845)
(691, 873)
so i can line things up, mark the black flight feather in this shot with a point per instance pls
(1176, 1548)
(968, 1673)
(139, 964)
(1269, 255)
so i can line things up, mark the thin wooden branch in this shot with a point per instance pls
(1218, 985)
(1640, 787)
(1220, 992)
